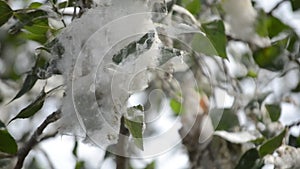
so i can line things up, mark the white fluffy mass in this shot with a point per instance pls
(101, 71)
(241, 17)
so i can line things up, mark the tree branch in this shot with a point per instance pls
(276, 7)
(34, 140)
(121, 160)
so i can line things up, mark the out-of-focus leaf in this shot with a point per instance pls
(269, 58)
(63, 5)
(293, 42)
(34, 164)
(35, 23)
(151, 165)
(215, 31)
(5, 12)
(192, 6)
(294, 141)
(74, 151)
(7, 143)
(248, 159)
(295, 4)
(80, 165)
(252, 74)
(269, 25)
(32, 108)
(223, 119)
(27, 85)
(176, 106)
(274, 111)
(2, 125)
(271, 145)
(35, 5)
(135, 123)
(297, 88)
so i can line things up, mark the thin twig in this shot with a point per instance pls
(35, 138)
(276, 7)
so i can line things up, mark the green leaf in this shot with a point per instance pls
(27, 85)
(176, 107)
(269, 25)
(35, 24)
(134, 122)
(224, 119)
(151, 165)
(131, 49)
(252, 74)
(274, 111)
(201, 44)
(269, 58)
(32, 108)
(271, 145)
(294, 141)
(5, 12)
(80, 165)
(34, 164)
(192, 6)
(215, 31)
(297, 88)
(63, 5)
(248, 159)
(292, 44)
(295, 4)
(2, 125)
(74, 151)
(7, 143)
(35, 5)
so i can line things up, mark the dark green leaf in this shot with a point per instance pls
(5, 12)
(146, 41)
(176, 106)
(151, 165)
(74, 151)
(28, 84)
(32, 108)
(2, 125)
(297, 88)
(269, 58)
(271, 145)
(292, 44)
(215, 31)
(294, 141)
(224, 119)
(274, 111)
(7, 143)
(295, 4)
(193, 6)
(248, 159)
(80, 165)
